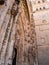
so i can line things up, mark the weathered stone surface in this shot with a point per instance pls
(41, 20)
(16, 31)
(24, 25)
(43, 55)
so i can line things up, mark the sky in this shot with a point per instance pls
(47, 0)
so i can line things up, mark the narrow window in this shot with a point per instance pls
(43, 7)
(37, 9)
(17, 1)
(43, 0)
(15, 55)
(38, 1)
(2, 2)
(40, 8)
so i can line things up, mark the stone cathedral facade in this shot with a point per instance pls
(24, 32)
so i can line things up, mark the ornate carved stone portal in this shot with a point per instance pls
(24, 32)
(17, 33)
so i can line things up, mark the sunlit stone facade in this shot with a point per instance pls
(17, 33)
(24, 32)
(41, 20)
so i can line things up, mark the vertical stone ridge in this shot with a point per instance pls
(3, 28)
(2, 35)
(5, 42)
(9, 53)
